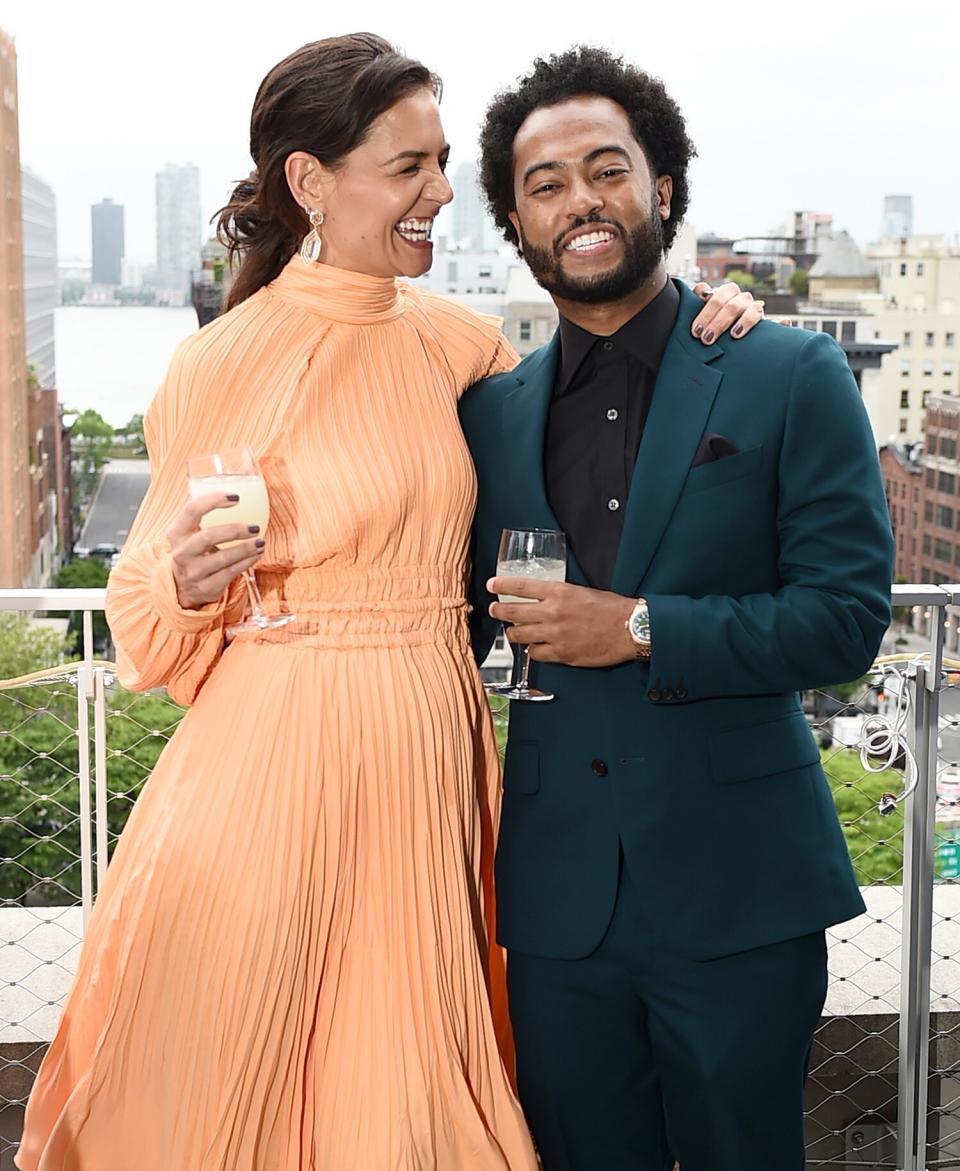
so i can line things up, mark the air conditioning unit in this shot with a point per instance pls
(870, 1145)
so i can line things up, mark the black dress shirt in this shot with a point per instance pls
(601, 399)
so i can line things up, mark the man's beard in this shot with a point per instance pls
(642, 253)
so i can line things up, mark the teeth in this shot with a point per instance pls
(588, 240)
(415, 229)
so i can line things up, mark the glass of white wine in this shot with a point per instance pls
(234, 470)
(536, 553)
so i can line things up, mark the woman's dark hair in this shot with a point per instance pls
(322, 99)
(579, 72)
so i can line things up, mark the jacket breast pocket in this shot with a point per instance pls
(521, 770)
(722, 471)
(759, 750)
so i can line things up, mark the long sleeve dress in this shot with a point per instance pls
(290, 966)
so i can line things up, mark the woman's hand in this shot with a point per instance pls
(201, 570)
(725, 307)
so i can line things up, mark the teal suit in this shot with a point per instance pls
(767, 572)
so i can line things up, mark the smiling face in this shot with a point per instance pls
(380, 204)
(589, 213)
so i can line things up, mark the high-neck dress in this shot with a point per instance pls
(289, 966)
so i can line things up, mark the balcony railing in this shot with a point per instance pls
(884, 1085)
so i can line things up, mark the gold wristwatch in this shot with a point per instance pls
(639, 626)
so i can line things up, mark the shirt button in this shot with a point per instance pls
(599, 768)
(613, 505)
(613, 414)
(608, 345)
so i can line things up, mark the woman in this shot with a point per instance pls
(288, 965)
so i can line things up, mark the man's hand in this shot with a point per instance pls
(566, 623)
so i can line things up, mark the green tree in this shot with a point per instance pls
(91, 437)
(799, 282)
(746, 280)
(86, 573)
(132, 434)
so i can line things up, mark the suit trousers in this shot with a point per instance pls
(636, 1056)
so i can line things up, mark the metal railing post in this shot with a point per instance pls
(917, 928)
(100, 769)
(86, 690)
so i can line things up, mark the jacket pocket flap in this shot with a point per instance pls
(521, 771)
(720, 471)
(757, 750)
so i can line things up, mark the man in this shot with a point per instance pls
(669, 853)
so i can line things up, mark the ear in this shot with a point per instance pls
(664, 195)
(306, 178)
(515, 220)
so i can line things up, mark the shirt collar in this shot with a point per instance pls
(644, 336)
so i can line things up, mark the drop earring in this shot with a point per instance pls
(312, 245)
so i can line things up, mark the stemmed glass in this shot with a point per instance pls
(234, 470)
(536, 553)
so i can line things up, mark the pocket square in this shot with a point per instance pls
(713, 447)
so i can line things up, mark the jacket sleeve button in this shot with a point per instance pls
(599, 768)
(654, 695)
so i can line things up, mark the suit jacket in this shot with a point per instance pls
(767, 572)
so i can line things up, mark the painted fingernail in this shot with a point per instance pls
(260, 544)
(737, 330)
(708, 336)
(253, 529)
(233, 497)
(697, 330)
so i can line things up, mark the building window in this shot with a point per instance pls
(944, 517)
(931, 478)
(943, 550)
(904, 367)
(950, 339)
(927, 544)
(486, 271)
(926, 397)
(948, 369)
(829, 327)
(946, 482)
(928, 512)
(948, 447)
(906, 339)
(526, 331)
(913, 546)
(903, 270)
(903, 426)
(451, 271)
(848, 331)
(928, 368)
(928, 339)
(919, 268)
(904, 400)
(809, 324)
(916, 500)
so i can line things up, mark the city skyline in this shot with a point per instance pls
(816, 121)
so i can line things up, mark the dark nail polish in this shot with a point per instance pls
(737, 330)
(260, 544)
(697, 330)
(253, 529)
(708, 336)
(233, 497)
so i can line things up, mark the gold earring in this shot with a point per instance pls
(312, 245)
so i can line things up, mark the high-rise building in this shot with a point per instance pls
(472, 229)
(40, 277)
(15, 481)
(897, 216)
(106, 220)
(179, 231)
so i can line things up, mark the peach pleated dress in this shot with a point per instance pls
(289, 967)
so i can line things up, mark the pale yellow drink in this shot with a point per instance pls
(541, 569)
(253, 507)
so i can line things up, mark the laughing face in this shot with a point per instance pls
(589, 213)
(380, 204)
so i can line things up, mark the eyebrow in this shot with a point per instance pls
(554, 165)
(416, 154)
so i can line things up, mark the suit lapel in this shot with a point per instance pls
(525, 411)
(683, 397)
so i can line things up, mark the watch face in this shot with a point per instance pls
(640, 624)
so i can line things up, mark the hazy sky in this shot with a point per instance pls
(822, 104)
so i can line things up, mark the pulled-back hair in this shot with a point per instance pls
(582, 71)
(322, 99)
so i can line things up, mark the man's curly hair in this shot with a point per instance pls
(584, 71)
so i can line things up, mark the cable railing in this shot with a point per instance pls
(884, 1075)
